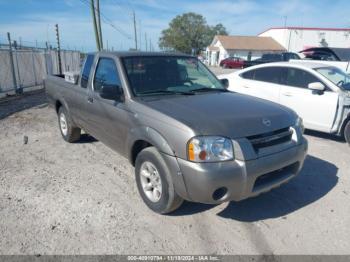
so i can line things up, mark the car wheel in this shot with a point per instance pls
(155, 183)
(69, 132)
(347, 132)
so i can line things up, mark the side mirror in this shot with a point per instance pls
(224, 82)
(111, 93)
(317, 86)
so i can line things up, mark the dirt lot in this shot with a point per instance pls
(60, 198)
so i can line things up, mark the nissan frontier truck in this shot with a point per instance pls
(187, 136)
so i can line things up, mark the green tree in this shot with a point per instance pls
(189, 31)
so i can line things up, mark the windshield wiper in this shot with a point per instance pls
(162, 92)
(208, 89)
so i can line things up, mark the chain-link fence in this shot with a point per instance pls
(28, 68)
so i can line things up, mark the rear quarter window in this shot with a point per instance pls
(86, 71)
(248, 75)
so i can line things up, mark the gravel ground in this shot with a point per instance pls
(60, 198)
(219, 70)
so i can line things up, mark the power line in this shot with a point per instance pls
(106, 20)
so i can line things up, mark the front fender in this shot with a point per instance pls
(149, 135)
(154, 138)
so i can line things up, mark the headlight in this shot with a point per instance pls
(209, 149)
(299, 123)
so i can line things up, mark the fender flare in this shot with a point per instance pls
(149, 135)
(154, 138)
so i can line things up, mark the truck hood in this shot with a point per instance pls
(226, 114)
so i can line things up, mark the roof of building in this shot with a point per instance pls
(252, 43)
(307, 28)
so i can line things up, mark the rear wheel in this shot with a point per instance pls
(69, 132)
(155, 183)
(347, 132)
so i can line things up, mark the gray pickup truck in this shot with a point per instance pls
(187, 136)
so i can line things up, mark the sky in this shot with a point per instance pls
(32, 21)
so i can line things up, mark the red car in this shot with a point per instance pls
(232, 62)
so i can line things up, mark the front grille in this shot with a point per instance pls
(275, 176)
(272, 138)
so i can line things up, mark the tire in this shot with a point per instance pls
(347, 132)
(168, 200)
(69, 132)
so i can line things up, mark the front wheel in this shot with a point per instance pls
(347, 132)
(155, 183)
(69, 132)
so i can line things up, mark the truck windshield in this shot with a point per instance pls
(169, 75)
(336, 76)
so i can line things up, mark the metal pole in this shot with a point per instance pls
(58, 50)
(34, 71)
(14, 80)
(140, 35)
(20, 90)
(290, 36)
(135, 34)
(146, 41)
(95, 25)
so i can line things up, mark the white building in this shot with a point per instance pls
(246, 47)
(296, 39)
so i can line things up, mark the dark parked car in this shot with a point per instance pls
(327, 54)
(232, 62)
(187, 136)
(272, 57)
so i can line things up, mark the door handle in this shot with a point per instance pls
(287, 94)
(246, 86)
(90, 100)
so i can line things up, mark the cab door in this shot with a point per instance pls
(108, 117)
(318, 109)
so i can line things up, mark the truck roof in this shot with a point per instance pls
(140, 53)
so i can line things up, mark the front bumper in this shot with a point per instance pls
(214, 183)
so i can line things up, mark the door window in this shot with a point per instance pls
(106, 74)
(266, 74)
(299, 78)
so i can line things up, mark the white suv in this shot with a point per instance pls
(319, 93)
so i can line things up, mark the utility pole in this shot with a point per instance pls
(140, 35)
(99, 23)
(95, 25)
(150, 45)
(135, 34)
(58, 50)
(12, 65)
(146, 41)
(285, 21)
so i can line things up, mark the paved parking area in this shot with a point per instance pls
(60, 198)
